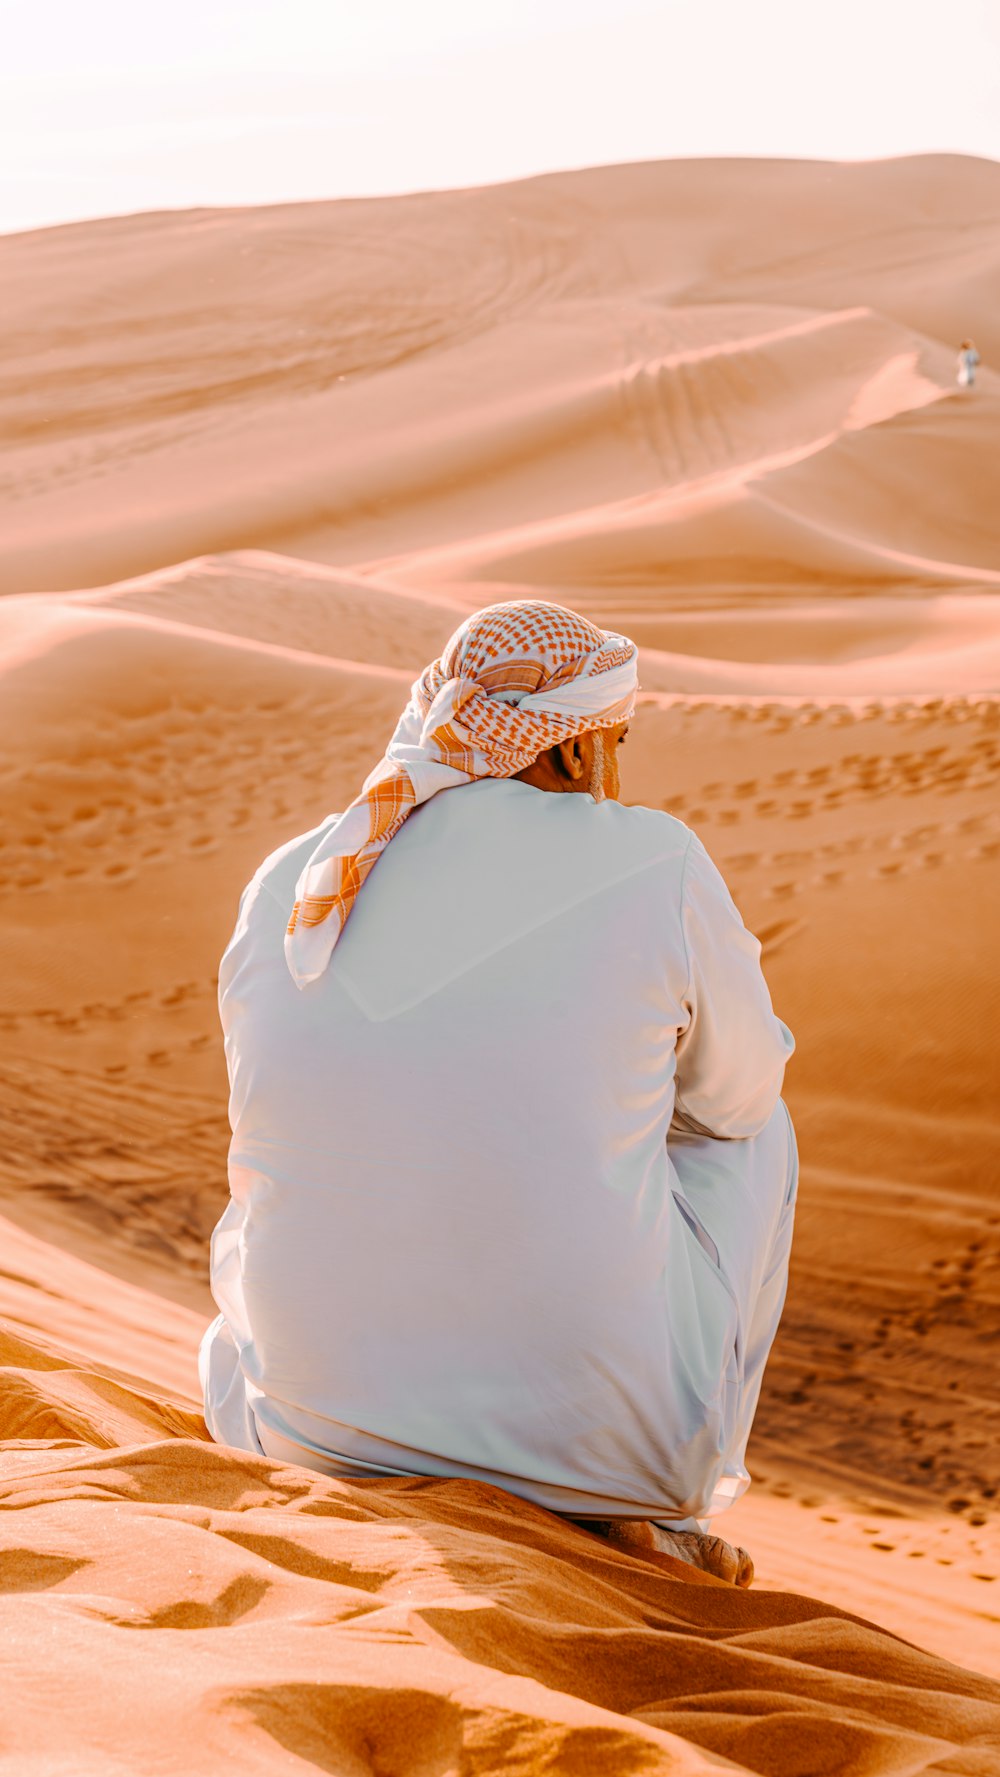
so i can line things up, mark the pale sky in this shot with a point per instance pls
(114, 106)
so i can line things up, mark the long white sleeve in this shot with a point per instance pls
(731, 1055)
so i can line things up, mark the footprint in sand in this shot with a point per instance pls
(779, 932)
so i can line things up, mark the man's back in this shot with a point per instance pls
(454, 1232)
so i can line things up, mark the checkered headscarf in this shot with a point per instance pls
(514, 680)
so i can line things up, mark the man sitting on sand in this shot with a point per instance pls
(512, 1183)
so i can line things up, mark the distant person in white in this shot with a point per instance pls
(968, 358)
(512, 1184)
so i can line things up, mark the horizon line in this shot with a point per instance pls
(397, 196)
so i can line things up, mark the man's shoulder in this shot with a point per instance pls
(282, 867)
(647, 828)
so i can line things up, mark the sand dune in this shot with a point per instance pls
(295, 1621)
(349, 382)
(53, 1298)
(263, 462)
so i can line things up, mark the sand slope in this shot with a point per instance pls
(356, 381)
(295, 1622)
(263, 462)
(153, 759)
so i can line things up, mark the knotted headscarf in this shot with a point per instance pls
(514, 680)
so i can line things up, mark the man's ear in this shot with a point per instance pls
(571, 759)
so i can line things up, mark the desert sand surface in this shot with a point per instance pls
(260, 463)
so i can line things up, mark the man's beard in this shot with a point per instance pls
(596, 784)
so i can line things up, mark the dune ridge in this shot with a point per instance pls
(262, 463)
(313, 615)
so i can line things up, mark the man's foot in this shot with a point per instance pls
(709, 1553)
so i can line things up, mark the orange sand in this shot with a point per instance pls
(714, 404)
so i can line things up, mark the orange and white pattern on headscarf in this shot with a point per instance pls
(514, 680)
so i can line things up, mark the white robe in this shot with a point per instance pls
(457, 1243)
